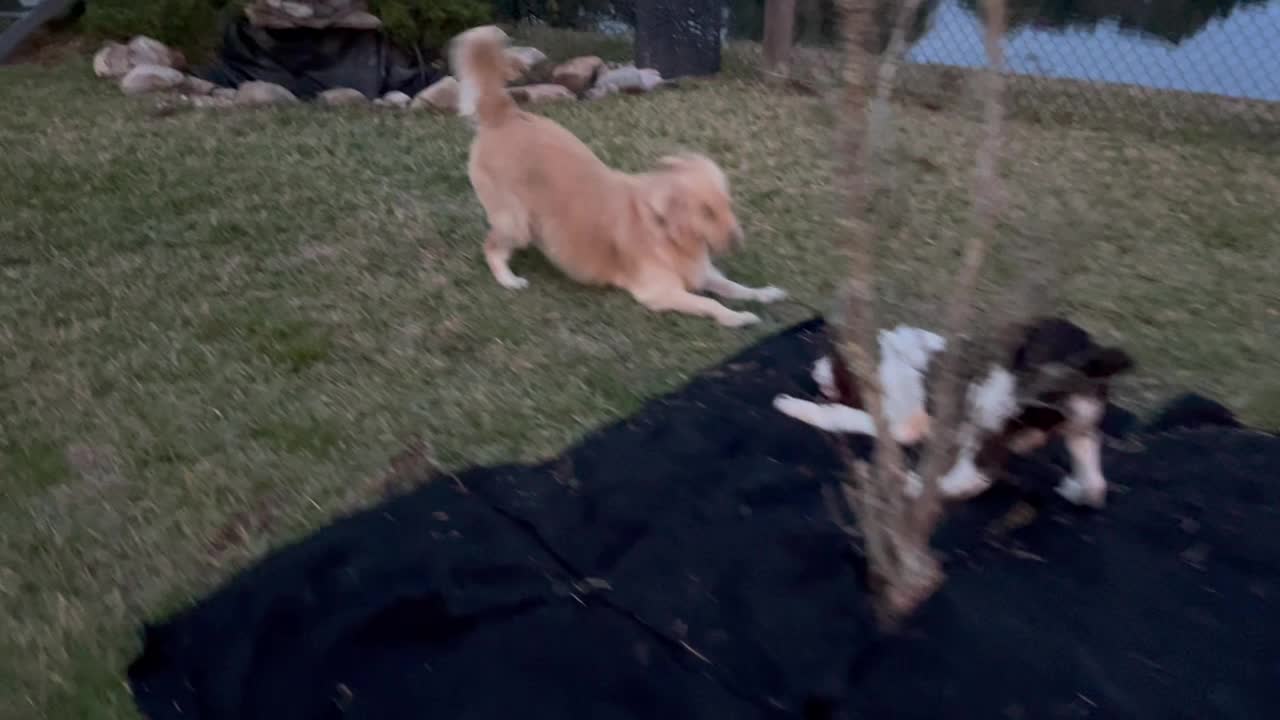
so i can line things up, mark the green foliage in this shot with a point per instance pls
(189, 25)
(429, 24)
(193, 26)
(565, 13)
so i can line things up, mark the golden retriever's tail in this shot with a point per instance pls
(478, 58)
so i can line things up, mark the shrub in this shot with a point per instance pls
(429, 24)
(566, 13)
(193, 26)
(189, 25)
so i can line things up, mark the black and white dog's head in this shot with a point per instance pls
(1062, 377)
(1053, 342)
(1061, 380)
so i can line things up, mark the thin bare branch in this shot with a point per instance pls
(988, 202)
(887, 73)
(903, 569)
(854, 326)
(779, 35)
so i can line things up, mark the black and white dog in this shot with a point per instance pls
(1055, 384)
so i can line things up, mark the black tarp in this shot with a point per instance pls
(681, 564)
(309, 61)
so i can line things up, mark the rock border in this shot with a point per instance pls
(146, 66)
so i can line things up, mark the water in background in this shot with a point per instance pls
(1223, 47)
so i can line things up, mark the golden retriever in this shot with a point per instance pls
(651, 234)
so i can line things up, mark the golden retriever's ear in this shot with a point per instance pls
(672, 214)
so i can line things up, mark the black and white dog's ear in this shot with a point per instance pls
(1104, 362)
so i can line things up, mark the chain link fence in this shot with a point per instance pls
(1169, 63)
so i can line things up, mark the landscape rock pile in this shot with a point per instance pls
(146, 66)
(316, 14)
(534, 79)
(115, 60)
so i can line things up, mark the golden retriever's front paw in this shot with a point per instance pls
(513, 282)
(739, 319)
(770, 294)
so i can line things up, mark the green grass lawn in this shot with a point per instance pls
(217, 328)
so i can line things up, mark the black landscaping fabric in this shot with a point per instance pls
(309, 61)
(682, 564)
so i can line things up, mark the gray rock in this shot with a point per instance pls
(525, 55)
(578, 74)
(297, 10)
(149, 51)
(193, 85)
(358, 20)
(396, 99)
(256, 93)
(626, 79)
(541, 93)
(112, 61)
(316, 14)
(340, 97)
(524, 63)
(144, 79)
(442, 96)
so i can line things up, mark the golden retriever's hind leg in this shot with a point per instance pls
(498, 248)
(717, 283)
(690, 304)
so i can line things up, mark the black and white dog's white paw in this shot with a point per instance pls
(831, 417)
(1086, 494)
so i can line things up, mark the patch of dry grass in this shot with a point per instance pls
(216, 328)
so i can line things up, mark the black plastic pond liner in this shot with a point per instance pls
(310, 61)
(681, 564)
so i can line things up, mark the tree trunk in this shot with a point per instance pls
(811, 16)
(678, 38)
(779, 33)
